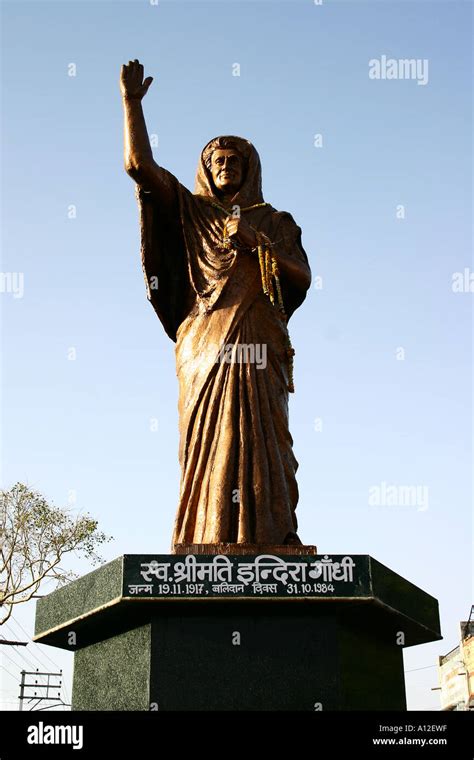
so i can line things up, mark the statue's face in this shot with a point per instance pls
(226, 170)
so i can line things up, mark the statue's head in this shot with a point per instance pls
(227, 161)
(229, 167)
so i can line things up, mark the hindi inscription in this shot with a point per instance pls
(265, 575)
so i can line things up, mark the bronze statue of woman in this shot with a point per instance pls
(224, 272)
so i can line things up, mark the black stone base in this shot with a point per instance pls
(295, 661)
(221, 653)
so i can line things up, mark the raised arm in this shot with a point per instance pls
(138, 156)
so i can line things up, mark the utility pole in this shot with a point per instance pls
(49, 686)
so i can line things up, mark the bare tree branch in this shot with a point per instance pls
(35, 536)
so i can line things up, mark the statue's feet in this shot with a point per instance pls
(292, 539)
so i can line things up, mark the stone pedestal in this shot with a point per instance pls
(238, 632)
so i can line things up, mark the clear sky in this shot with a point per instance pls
(383, 366)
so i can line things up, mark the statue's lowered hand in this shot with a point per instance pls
(238, 229)
(132, 85)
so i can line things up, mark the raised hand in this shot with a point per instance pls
(132, 85)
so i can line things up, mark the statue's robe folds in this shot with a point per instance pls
(238, 469)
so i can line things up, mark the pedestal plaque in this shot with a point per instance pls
(238, 632)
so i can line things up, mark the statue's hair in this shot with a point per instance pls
(226, 142)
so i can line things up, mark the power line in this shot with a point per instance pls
(42, 662)
(427, 667)
(41, 677)
(23, 657)
(46, 690)
(35, 644)
(31, 651)
(66, 692)
(12, 661)
(10, 674)
(31, 665)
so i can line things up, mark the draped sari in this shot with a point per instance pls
(238, 481)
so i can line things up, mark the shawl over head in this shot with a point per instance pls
(181, 245)
(250, 191)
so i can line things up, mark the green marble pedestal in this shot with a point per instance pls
(260, 632)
